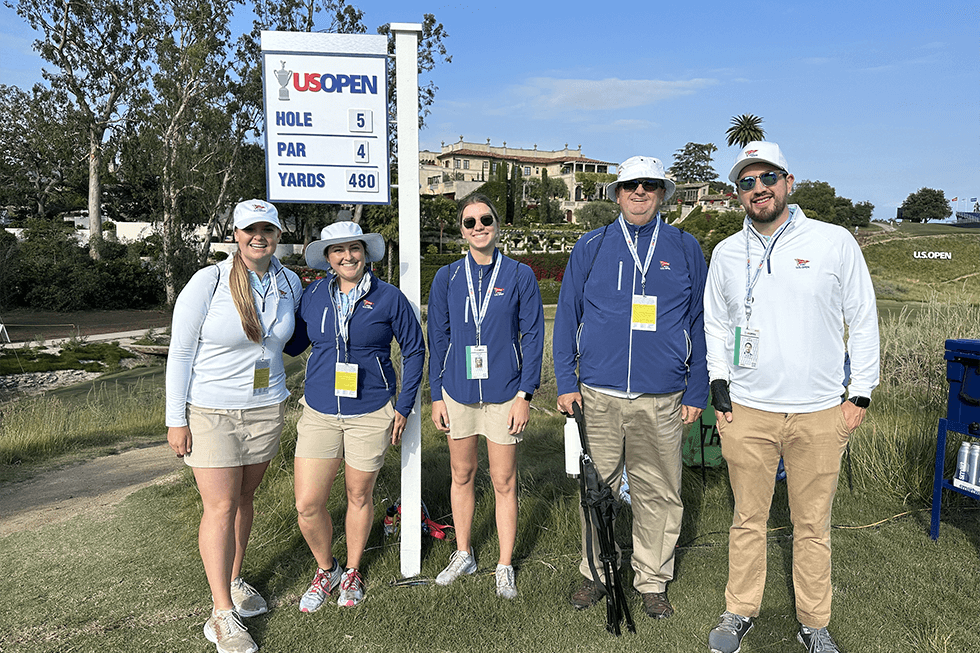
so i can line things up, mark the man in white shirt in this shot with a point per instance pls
(779, 295)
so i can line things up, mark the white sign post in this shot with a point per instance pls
(326, 116)
(410, 276)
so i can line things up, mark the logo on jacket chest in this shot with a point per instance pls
(368, 305)
(498, 292)
(802, 264)
(665, 265)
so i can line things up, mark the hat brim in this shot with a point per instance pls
(316, 252)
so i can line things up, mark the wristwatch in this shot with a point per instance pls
(526, 396)
(860, 402)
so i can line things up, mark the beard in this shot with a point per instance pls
(767, 216)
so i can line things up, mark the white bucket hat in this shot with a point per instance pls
(758, 152)
(640, 167)
(343, 232)
(249, 212)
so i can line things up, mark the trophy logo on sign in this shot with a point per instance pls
(283, 76)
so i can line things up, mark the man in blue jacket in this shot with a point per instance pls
(630, 317)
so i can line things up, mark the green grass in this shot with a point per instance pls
(134, 581)
(74, 355)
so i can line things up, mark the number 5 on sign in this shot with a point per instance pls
(360, 120)
(362, 181)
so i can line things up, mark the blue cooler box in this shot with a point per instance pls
(963, 373)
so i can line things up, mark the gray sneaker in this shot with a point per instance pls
(225, 630)
(351, 589)
(248, 602)
(816, 640)
(506, 587)
(460, 562)
(324, 582)
(727, 636)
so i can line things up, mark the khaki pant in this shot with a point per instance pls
(811, 445)
(645, 435)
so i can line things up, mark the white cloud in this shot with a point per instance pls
(547, 95)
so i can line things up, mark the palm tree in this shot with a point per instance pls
(745, 129)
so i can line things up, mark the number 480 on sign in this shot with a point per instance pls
(362, 181)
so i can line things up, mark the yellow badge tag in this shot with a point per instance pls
(345, 380)
(260, 378)
(644, 313)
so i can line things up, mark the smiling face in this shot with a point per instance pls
(639, 206)
(765, 205)
(257, 243)
(481, 238)
(347, 260)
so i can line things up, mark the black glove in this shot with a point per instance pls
(720, 399)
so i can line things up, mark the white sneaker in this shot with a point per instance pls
(225, 630)
(506, 588)
(351, 589)
(248, 602)
(460, 562)
(323, 583)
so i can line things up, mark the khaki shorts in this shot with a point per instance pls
(467, 420)
(361, 441)
(234, 438)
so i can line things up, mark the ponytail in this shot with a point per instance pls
(241, 294)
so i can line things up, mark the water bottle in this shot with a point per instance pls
(974, 463)
(573, 447)
(963, 462)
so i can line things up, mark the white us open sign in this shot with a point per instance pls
(326, 98)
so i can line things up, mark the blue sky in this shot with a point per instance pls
(876, 99)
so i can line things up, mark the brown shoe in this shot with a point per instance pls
(656, 605)
(585, 596)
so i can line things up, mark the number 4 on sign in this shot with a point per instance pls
(361, 152)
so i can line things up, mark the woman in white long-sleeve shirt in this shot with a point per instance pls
(226, 388)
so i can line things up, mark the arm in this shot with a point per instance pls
(696, 396)
(408, 334)
(531, 325)
(716, 329)
(861, 317)
(190, 310)
(438, 328)
(568, 316)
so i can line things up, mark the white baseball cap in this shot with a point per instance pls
(758, 152)
(251, 211)
(343, 232)
(640, 167)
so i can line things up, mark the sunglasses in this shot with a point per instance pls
(469, 223)
(649, 185)
(767, 179)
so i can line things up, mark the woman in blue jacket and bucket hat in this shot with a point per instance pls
(350, 412)
(486, 337)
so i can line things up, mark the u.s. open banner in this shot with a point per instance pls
(326, 99)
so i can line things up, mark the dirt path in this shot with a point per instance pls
(89, 488)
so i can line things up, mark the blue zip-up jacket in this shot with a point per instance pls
(593, 318)
(384, 312)
(513, 331)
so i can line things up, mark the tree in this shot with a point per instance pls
(693, 163)
(188, 116)
(745, 129)
(101, 48)
(438, 212)
(820, 201)
(41, 169)
(597, 214)
(926, 204)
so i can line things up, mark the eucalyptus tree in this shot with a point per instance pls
(745, 129)
(190, 116)
(43, 158)
(101, 49)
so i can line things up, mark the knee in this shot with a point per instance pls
(309, 508)
(504, 484)
(463, 473)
